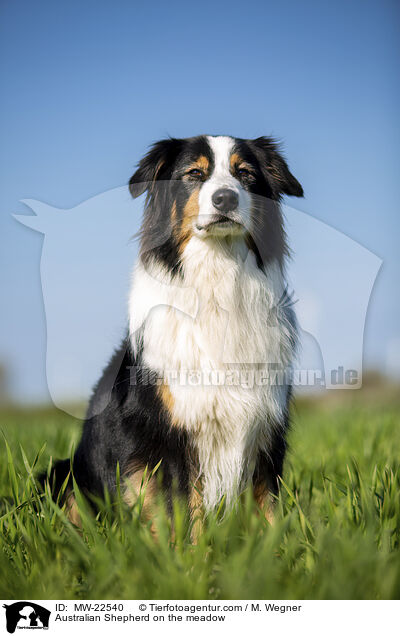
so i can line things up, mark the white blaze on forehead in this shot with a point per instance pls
(221, 177)
(222, 149)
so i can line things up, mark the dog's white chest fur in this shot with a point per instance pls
(210, 335)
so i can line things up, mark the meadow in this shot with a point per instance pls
(336, 533)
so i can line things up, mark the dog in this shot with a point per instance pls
(208, 298)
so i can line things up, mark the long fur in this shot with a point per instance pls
(207, 300)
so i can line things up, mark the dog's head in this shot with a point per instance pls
(213, 188)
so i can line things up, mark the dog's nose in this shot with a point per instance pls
(225, 200)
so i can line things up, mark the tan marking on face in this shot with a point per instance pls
(234, 161)
(190, 212)
(202, 163)
(191, 209)
(237, 162)
(265, 501)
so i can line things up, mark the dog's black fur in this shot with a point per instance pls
(127, 423)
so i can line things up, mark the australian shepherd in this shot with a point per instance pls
(199, 386)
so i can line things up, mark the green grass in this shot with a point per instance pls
(336, 534)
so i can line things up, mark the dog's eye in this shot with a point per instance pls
(243, 172)
(195, 172)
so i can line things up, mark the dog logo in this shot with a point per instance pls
(332, 276)
(26, 615)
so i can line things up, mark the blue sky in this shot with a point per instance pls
(86, 87)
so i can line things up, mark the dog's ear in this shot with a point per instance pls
(275, 168)
(157, 164)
